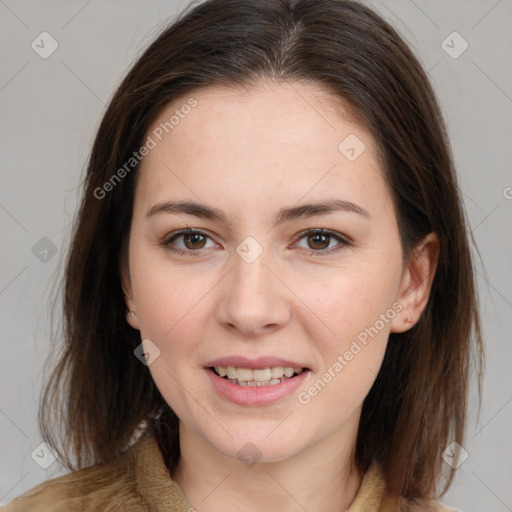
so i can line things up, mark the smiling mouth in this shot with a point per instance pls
(258, 377)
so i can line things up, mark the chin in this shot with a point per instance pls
(255, 445)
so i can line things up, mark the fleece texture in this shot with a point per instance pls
(138, 481)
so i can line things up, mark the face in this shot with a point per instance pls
(292, 258)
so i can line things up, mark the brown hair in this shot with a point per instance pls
(417, 405)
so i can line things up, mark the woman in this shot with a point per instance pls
(269, 299)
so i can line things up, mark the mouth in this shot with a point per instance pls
(249, 377)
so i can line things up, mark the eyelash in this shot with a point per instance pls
(343, 242)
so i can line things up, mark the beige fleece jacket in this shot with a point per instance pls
(138, 481)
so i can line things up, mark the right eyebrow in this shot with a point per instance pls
(188, 207)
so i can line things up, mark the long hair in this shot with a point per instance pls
(99, 393)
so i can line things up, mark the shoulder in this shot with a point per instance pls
(100, 487)
(393, 505)
(373, 495)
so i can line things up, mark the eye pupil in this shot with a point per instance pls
(195, 239)
(319, 240)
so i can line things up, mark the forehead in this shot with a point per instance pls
(273, 111)
(288, 136)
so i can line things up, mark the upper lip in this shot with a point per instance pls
(257, 363)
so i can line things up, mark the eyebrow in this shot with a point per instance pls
(283, 215)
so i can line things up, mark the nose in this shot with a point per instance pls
(254, 301)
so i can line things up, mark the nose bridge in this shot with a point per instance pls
(252, 277)
(253, 299)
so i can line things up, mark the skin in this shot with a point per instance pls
(251, 152)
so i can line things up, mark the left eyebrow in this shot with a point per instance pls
(323, 208)
(283, 215)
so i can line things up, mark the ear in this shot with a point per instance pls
(416, 283)
(126, 283)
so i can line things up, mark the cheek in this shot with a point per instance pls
(353, 319)
(346, 302)
(351, 355)
(168, 297)
(172, 306)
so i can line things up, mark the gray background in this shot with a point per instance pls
(51, 108)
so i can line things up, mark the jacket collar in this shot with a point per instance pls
(161, 493)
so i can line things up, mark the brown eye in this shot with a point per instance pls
(194, 241)
(318, 241)
(188, 242)
(321, 241)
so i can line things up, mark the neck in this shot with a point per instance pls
(209, 478)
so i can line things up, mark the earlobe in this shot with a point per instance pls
(131, 318)
(416, 283)
(131, 313)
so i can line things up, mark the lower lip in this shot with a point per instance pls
(255, 395)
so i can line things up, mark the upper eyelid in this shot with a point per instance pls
(187, 231)
(322, 231)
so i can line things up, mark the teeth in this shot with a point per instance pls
(244, 374)
(261, 376)
(230, 372)
(277, 372)
(289, 372)
(253, 383)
